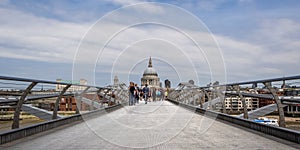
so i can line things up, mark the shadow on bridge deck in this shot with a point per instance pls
(157, 125)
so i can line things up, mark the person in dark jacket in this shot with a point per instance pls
(146, 93)
(131, 94)
(137, 93)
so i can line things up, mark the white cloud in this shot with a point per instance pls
(281, 40)
(279, 33)
(151, 8)
(271, 50)
(245, 1)
(25, 36)
(125, 2)
(4, 2)
(210, 4)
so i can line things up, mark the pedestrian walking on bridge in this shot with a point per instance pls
(154, 95)
(146, 93)
(131, 93)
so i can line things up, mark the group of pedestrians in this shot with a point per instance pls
(157, 95)
(136, 94)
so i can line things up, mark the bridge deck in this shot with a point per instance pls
(157, 125)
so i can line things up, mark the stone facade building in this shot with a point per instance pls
(73, 88)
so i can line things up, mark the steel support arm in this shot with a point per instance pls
(19, 105)
(278, 102)
(58, 100)
(237, 88)
(79, 99)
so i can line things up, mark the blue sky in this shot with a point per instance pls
(257, 39)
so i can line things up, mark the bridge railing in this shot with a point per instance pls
(15, 134)
(287, 134)
(24, 102)
(216, 97)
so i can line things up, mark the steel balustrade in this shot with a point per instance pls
(29, 94)
(214, 94)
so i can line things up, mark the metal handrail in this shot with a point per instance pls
(45, 81)
(255, 81)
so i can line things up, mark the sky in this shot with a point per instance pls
(201, 40)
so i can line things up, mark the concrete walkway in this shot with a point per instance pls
(156, 125)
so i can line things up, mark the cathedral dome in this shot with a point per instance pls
(150, 77)
(150, 71)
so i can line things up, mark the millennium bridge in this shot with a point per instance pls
(33, 116)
